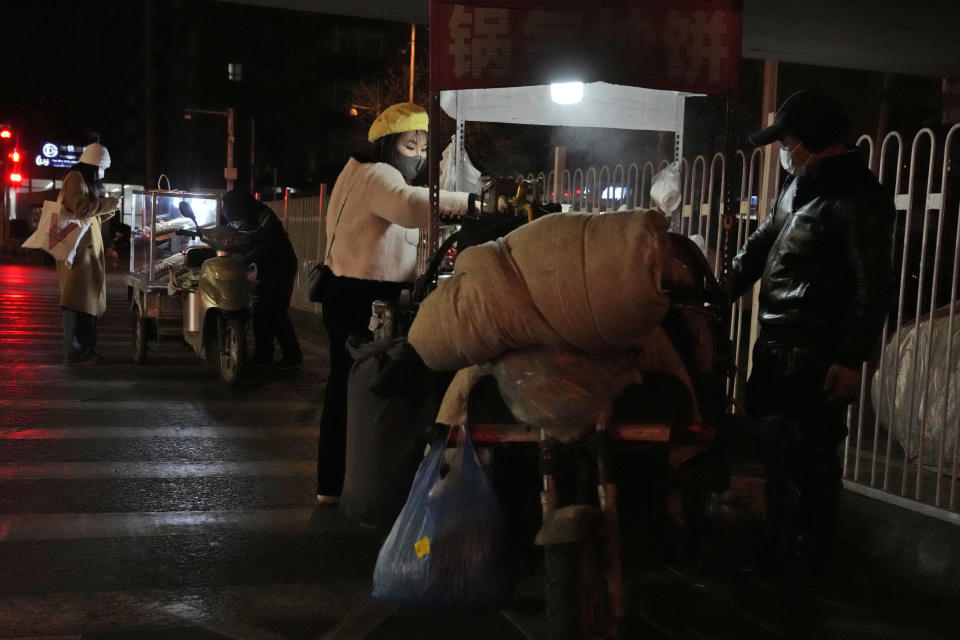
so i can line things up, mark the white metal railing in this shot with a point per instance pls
(908, 451)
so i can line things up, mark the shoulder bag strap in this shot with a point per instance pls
(333, 236)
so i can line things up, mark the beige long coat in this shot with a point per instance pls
(83, 287)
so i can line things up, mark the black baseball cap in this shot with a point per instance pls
(814, 118)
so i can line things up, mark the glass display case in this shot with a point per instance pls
(155, 247)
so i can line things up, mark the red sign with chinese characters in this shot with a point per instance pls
(680, 45)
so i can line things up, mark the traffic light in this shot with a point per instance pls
(8, 138)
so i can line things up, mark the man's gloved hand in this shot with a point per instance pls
(841, 383)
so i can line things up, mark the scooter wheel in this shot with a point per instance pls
(575, 592)
(233, 351)
(139, 334)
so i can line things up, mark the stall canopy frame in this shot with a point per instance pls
(603, 105)
(677, 46)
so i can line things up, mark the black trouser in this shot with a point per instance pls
(345, 312)
(79, 334)
(270, 304)
(800, 434)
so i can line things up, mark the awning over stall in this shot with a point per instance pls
(603, 105)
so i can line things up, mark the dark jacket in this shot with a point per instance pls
(824, 262)
(271, 249)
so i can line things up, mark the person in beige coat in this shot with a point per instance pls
(83, 287)
(373, 228)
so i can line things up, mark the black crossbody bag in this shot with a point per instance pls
(320, 281)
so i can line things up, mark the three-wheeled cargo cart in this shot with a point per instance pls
(186, 281)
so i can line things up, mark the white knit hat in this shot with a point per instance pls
(97, 155)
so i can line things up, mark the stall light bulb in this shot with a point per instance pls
(566, 92)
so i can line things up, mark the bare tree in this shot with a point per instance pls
(373, 95)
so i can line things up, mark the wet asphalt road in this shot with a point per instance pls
(149, 502)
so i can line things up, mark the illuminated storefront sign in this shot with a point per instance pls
(58, 155)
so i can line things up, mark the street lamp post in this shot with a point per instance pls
(230, 171)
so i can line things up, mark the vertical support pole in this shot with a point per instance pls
(731, 200)
(768, 184)
(678, 136)
(768, 108)
(230, 139)
(607, 495)
(429, 237)
(459, 148)
(148, 99)
(4, 223)
(413, 54)
(559, 167)
(883, 120)
(253, 157)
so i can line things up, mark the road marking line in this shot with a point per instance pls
(98, 433)
(91, 470)
(50, 615)
(360, 622)
(155, 405)
(75, 526)
(227, 627)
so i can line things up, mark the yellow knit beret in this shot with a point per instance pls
(404, 116)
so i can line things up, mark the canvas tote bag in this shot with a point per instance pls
(58, 233)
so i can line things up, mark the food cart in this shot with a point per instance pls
(158, 248)
(495, 60)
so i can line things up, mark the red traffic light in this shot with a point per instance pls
(15, 155)
(16, 177)
(6, 134)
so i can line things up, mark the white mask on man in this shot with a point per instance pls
(788, 163)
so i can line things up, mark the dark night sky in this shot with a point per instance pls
(57, 63)
(76, 67)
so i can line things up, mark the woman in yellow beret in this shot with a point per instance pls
(372, 231)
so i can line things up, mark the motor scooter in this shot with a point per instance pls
(206, 303)
(216, 307)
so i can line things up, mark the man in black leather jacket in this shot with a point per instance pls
(823, 258)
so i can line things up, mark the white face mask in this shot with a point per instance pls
(786, 161)
(100, 173)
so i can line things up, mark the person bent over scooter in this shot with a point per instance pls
(276, 263)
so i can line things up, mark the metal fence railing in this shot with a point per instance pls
(905, 425)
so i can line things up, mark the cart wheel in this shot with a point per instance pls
(139, 334)
(234, 351)
(575, 593)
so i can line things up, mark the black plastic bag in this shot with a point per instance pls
(450, 547)
(392, 398)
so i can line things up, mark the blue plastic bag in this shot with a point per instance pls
(449, 548)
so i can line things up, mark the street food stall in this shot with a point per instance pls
(563, 64)
(157, 250)
(566, 64)
(188, 280)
